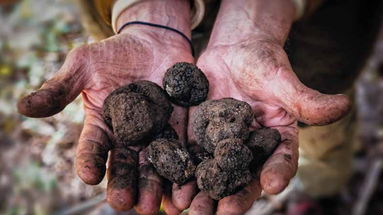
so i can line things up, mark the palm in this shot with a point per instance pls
(240, 73)
(259, 73)
(121, 60)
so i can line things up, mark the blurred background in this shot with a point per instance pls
(36, 155)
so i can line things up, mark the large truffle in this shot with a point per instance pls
(216, 120)
(136, 112)
(218, 183)
(171, 160)
(186, 84)
(232, 154)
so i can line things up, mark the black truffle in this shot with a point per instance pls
(136, 112)
(171, 160)
(232, 154)
(262, 142)
(186, 84)
(218, 183)
(216, 120)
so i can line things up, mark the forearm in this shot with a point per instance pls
(241, 20)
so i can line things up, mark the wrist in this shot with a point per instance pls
(171, 13)
(244, 20)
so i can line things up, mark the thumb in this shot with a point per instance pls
(307, 105)
(59, 91)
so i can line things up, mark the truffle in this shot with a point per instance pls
(218, 183)
(186, 84)
(136, 112)
(171, 160)
(262, 142)
(232, 154)
(216, 120)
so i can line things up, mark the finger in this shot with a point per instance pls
(92, 150)
(183, 195)
(282, 164)
(59, 91)
(122, 178)
(241, 201)
(149, 188)
(167, 203)
(308, 105)
(202, 204)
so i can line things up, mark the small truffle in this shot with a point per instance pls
(186, 84)
(167, 133)
(218, 183)
(232, 154)
(262, 142)
(171, 160)
(216, 120)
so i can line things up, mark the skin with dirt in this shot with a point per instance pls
(186, 84)
(136, 112)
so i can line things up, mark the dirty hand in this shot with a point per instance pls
(95, 70)
(249, 64)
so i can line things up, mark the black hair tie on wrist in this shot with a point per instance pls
(159, 26)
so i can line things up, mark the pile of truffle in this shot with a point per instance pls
(138, 114)
(222, 128)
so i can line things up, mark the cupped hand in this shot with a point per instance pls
(259, 73)
(95, 70)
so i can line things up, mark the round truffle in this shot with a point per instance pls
(186, 84)
(262, 142)
(215, 120)
(232, 154)
(171, 160)
(132, 117)
(218, 183)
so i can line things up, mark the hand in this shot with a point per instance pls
(96, 70)
(258, 72)
(245, 60)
